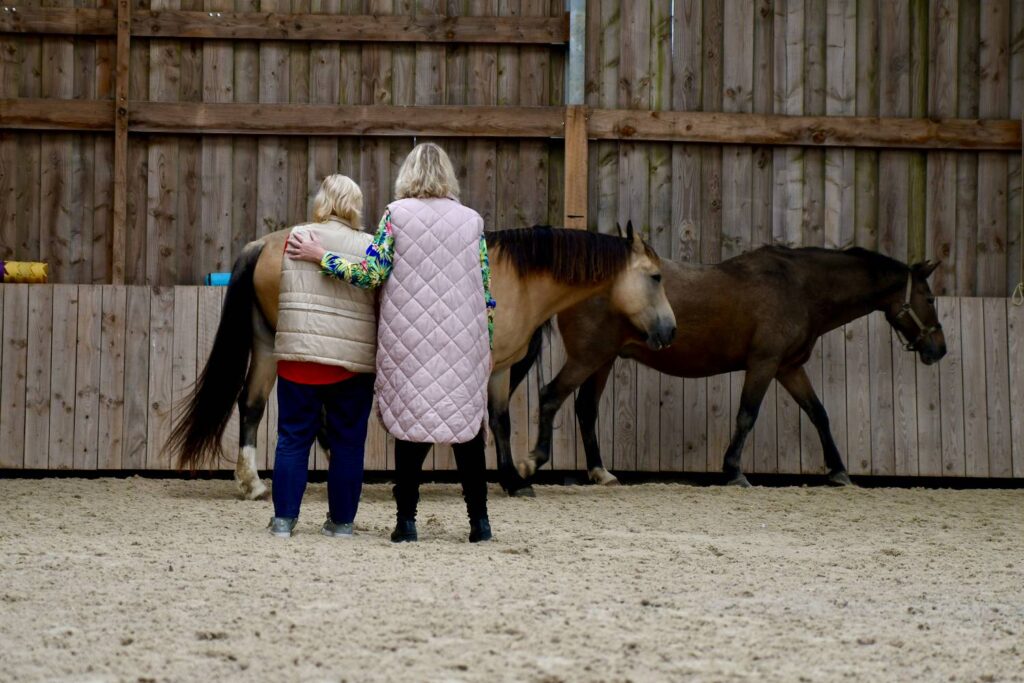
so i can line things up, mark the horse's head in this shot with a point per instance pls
(638, 294)
(912, 312)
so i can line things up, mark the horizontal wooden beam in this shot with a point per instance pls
(314, 119)
(66, 115)
(280, 26)
(515, 122)
(58, 21)
(805, 131)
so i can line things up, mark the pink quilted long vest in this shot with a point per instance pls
(433, 356)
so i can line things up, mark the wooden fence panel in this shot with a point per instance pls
(37, 390)
(13, 373)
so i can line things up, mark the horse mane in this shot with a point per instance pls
(574, 257)
(879, 264)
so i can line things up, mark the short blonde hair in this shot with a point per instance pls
(426, 172)
(339, 196)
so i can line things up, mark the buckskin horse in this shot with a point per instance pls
(535, 273)
(761, 312)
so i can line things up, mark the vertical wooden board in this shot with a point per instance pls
(866, 161)
(993, 102)
(812, 460)
(99, 251)
(883, 458)
(87, 377)
(55, 205)
(968, 79)
(813, 214)
(28, 193)
(695, 426)
(136, 378)
(136, 236)
(687, 95)
(13, 374)
(216, 156)
(563, 438)
(787, 419)
(480, 187)
(624, 377)
(840, 100)
(272, 154)
(324, 88)
(972, 341)
(951, 390)
(941, 166)
(711, 156)
(62, 378)
(1015, 336)
(905, 408)
(37, 382)
(736, 380)
(765, 434)
(648, 419)
(788, 198)
(858, 397)
(161, 372)
(271, 430)
(997, 374)
(606, 189)
(10, 58)
(833, 387)
(662, 232)
(929, 421)
(719, 420)
(183, 354)
(113, 347)
(376, 443)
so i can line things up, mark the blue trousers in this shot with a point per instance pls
(300, 407)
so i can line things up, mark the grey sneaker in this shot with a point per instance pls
(331, 528)
(282, 527)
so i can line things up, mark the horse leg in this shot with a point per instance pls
(799, 387)
(586, 415)
(251, 404)
(501, 427)
(755, 384)
(552, 396)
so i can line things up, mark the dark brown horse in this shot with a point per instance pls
(535, 274)
(761, 312)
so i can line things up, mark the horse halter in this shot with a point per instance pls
(907, 310)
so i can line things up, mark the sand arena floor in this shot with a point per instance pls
(153, 580)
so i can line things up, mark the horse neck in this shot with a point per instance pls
(552, 297)
(846, 294)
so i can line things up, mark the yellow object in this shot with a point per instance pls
(24, 271)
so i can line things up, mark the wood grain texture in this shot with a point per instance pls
(997, 388)
(113, 349)
(13, 375)
(87, 378)
(37, 388)
(1015, 335)
(136, 378)
(972, 332)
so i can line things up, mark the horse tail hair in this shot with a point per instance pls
(196, 438)
(522, 367)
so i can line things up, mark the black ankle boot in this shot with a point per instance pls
(479, 530)
(405, 531)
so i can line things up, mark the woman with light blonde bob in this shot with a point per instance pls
(429, 257)
(325, 347)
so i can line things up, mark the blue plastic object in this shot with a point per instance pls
(217, 279)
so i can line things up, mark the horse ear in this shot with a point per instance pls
(629, 232)
(618, 229)
(926, 268)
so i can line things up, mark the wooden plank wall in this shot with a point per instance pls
(109, 404)
(195, 200)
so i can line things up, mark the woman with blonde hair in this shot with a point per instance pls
(325, 348)
(429, 256)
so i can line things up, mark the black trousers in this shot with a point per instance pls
(469, 457)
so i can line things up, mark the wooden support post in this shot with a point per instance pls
(117, 236)
(576, 167)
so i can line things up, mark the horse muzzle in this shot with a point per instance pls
(661, 335)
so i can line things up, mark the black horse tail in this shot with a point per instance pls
(196, 437)
(521, 368)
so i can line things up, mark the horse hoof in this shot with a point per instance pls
(526, 468)
(525, 492)
(840, 479)
(254, 491)
(740, 481)
(602, 477)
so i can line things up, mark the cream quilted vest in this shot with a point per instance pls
(324, 320)
(433, 355)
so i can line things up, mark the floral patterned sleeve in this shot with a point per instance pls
(373, 270)
(485, 271)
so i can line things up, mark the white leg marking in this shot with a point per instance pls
(603, 477)
(247, 475)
